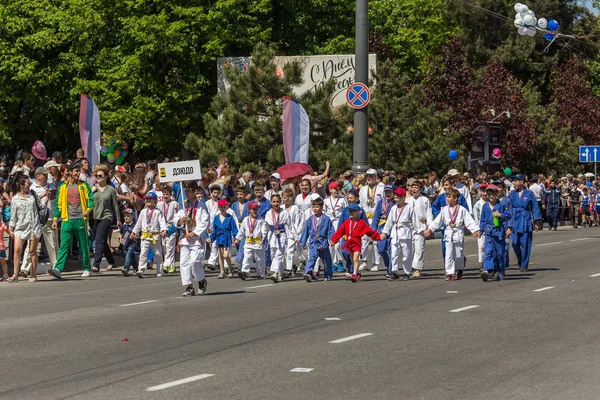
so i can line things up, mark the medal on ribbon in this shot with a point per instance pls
(453, 215)
(315, 226)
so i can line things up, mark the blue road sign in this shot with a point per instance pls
(589, 154)
(358, 95)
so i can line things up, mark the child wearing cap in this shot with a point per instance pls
(253, 231)
(152, 226)
(169, 209)
(399, 227)
(494, 219)
(317, 232)
(279, 224)
(455, 218)
(130, 245)
(333, 207)
(224, 229)
(353, 230)
(380, 217)
(422, 209)
(193, 219)
(352, 197)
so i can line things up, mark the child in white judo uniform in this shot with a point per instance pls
(254, 230)
(278, 223)
(152, 226)
(422, 208)
(169, 208)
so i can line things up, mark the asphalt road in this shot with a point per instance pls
(400, 340)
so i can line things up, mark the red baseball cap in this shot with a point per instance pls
(334, 185)
(222, 203)
(252, 205)
(400, 192)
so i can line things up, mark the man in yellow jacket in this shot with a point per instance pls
(74, 202)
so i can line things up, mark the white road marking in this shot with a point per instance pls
(577, 240)
(548, 244)
(464, 308)
(333, 319)
(595, 275)
(141, 302)
(347, 339)
(544, 288)
(451, 291)
(178, 382)
(301, 369)
(471, 255)
(256, 287)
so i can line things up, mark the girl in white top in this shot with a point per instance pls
(422, 207)
(24, 226)
(455, 217)
(278, 224)
(303, 199)
(398, 227)
(333, 207)
(194, 220)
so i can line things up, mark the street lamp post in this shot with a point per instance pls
(360, 154)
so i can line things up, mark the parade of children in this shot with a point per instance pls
(318, 225)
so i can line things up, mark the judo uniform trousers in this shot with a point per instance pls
(254, 250)
(149, 225)
(333, 209)
(454, 237)
(278, 227)
(382, 211)
(422, 209)
(494, 236)
(399, 227)
(317, 232)
(524, 212)
(369, 197)
(506, 204)
(191, 251)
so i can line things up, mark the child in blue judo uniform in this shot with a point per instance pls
(319, 229)
(224, 229)
(493, 223)
(525, 212)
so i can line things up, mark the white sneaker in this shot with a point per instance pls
(86, 274)
(159, 274)
(55, 273)
(140, 272)
(362, 267)
(375, 268)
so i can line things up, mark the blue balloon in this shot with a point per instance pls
(549, 37)
(553, 24)
(589, 184)
(453, 154)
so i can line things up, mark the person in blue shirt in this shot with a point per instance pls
(509, 225)
(493, 222)
(551, 202)
(525, 213)
(224, 230)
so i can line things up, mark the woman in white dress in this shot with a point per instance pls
(25, 226)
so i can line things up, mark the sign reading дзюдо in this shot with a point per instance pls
(179, 171)
(317, 70)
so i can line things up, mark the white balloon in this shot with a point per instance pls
(522, 31)
(531, 13)
(524, 8)
(518, 7)
(529, 20)
(531, 31)
(542, 23)
(519, 23)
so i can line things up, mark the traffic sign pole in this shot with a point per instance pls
(360, 153)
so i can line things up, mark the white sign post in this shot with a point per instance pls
(179, 172)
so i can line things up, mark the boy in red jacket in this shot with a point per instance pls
(354, 229)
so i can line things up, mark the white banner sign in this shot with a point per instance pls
(317, 70)
(179, 171)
